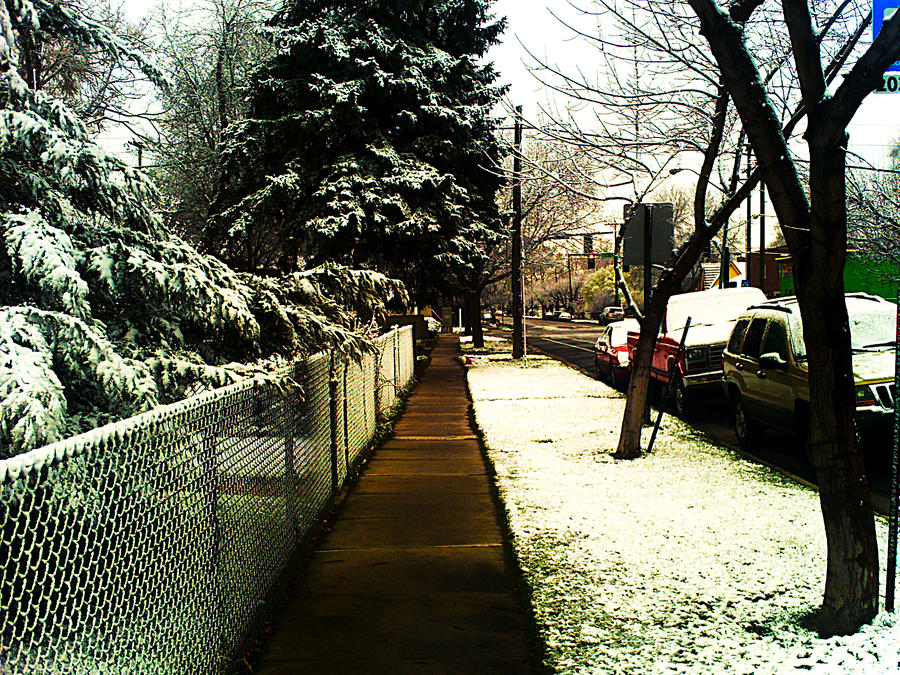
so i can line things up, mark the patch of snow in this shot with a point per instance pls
(487, 338)
(688, 560)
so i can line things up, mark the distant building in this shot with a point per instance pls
(771, 282)
(709, 276)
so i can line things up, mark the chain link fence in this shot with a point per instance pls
(157, 544)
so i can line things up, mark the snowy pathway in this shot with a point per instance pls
(691, 560)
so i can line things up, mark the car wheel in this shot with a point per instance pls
(748, 431)
(679, 399)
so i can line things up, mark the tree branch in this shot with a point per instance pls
(740, 11)
(807, 56)
(710, 156)
(866, 76)
(763, 127)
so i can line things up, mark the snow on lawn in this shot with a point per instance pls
(487, 338)
(690, 560)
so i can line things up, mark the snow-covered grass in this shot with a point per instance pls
(492, 345)
(689, 560)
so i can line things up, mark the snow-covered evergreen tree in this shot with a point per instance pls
(103, 313)
(367, 140)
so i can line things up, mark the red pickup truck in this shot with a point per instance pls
(712, 315)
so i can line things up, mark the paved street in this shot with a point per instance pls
(572, 343)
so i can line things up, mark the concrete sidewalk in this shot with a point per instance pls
(413, 577)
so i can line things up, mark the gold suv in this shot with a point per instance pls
(766, 376)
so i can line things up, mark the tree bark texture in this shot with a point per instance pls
(639, 384)
(474, 305)
(851, 583)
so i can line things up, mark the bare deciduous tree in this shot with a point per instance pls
(873, 203)
(772, 65)
(209, 53)
(84, 74)
(814, 223)
(551, 211)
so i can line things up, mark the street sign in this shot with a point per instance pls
(662, 227)
(883, 10)
(745, 282)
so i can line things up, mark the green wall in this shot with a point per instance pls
(877, 277)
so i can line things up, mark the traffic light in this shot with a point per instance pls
(588, 244)
(591, 261)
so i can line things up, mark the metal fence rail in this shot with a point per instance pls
(156, 544)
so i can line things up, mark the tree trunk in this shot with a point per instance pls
(474, 304)
(851, 583)
(221, 94)
(639, 384)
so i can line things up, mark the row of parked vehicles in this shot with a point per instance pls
(752, 350)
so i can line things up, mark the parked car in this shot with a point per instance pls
(611, 351)
(712, 315)
(610, 314)
(563, 316)
(766, 375)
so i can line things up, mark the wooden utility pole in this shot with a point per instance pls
(517, 290)
(762, 236)
(749, 217)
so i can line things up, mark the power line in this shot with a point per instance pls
(859, 168)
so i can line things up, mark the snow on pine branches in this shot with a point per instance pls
(103, 312)
(368, 137)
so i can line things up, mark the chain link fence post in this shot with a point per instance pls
(397, 386)
(333, 419)
(290, 470)
(211, 513)
(346, 422)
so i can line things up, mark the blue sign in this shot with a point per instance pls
(882, 10)
(745, 283)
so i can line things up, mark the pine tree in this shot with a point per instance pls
(103, 312)
(367, 140)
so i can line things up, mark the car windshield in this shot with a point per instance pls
(872, 325)
(707, 308)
